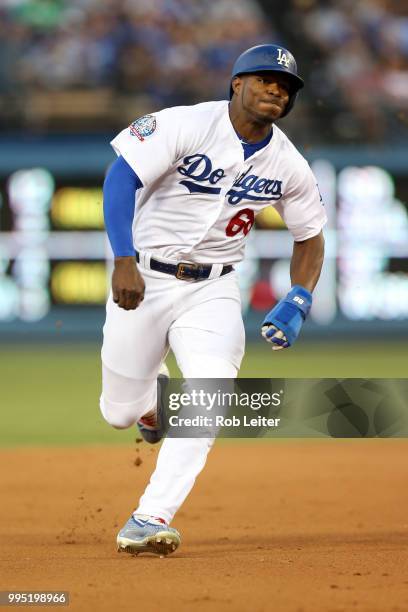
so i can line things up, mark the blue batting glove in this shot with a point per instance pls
(283, 323)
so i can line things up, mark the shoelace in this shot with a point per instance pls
(150, 519)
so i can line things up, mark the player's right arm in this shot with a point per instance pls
(147, 149)
(119, 190)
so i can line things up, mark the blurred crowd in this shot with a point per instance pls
(355, 55)
(71, 64)
(160, 53)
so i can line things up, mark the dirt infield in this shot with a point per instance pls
(289, 526)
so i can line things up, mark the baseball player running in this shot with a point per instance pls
(179, 201)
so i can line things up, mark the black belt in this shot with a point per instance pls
(184, 270)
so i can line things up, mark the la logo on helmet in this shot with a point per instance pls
(282, 58)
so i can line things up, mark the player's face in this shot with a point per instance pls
(263, 95)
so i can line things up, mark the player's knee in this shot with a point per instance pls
(208, 366)
(124, 400)
(119, 416)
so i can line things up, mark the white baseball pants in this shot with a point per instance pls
(202, 323)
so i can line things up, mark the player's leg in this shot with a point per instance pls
(208, 341)
(125, 400)
(134, 346)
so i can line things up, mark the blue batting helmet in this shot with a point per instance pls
(270, 58)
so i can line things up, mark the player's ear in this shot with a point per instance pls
(236, 84)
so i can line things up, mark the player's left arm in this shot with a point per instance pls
(283, 323)
(304, 215)
(307, 261)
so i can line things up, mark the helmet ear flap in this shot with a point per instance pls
(290, 105)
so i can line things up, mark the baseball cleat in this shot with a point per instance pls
(147, 534)
(153, 434)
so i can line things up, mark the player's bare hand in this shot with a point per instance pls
(128, 286)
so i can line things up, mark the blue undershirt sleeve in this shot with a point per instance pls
(119, 189)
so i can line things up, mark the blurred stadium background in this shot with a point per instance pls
(73, 73)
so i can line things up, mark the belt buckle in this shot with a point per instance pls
(183, 267)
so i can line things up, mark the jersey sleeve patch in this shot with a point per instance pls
(143, 127)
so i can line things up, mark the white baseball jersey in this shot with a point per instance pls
(200, 197)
